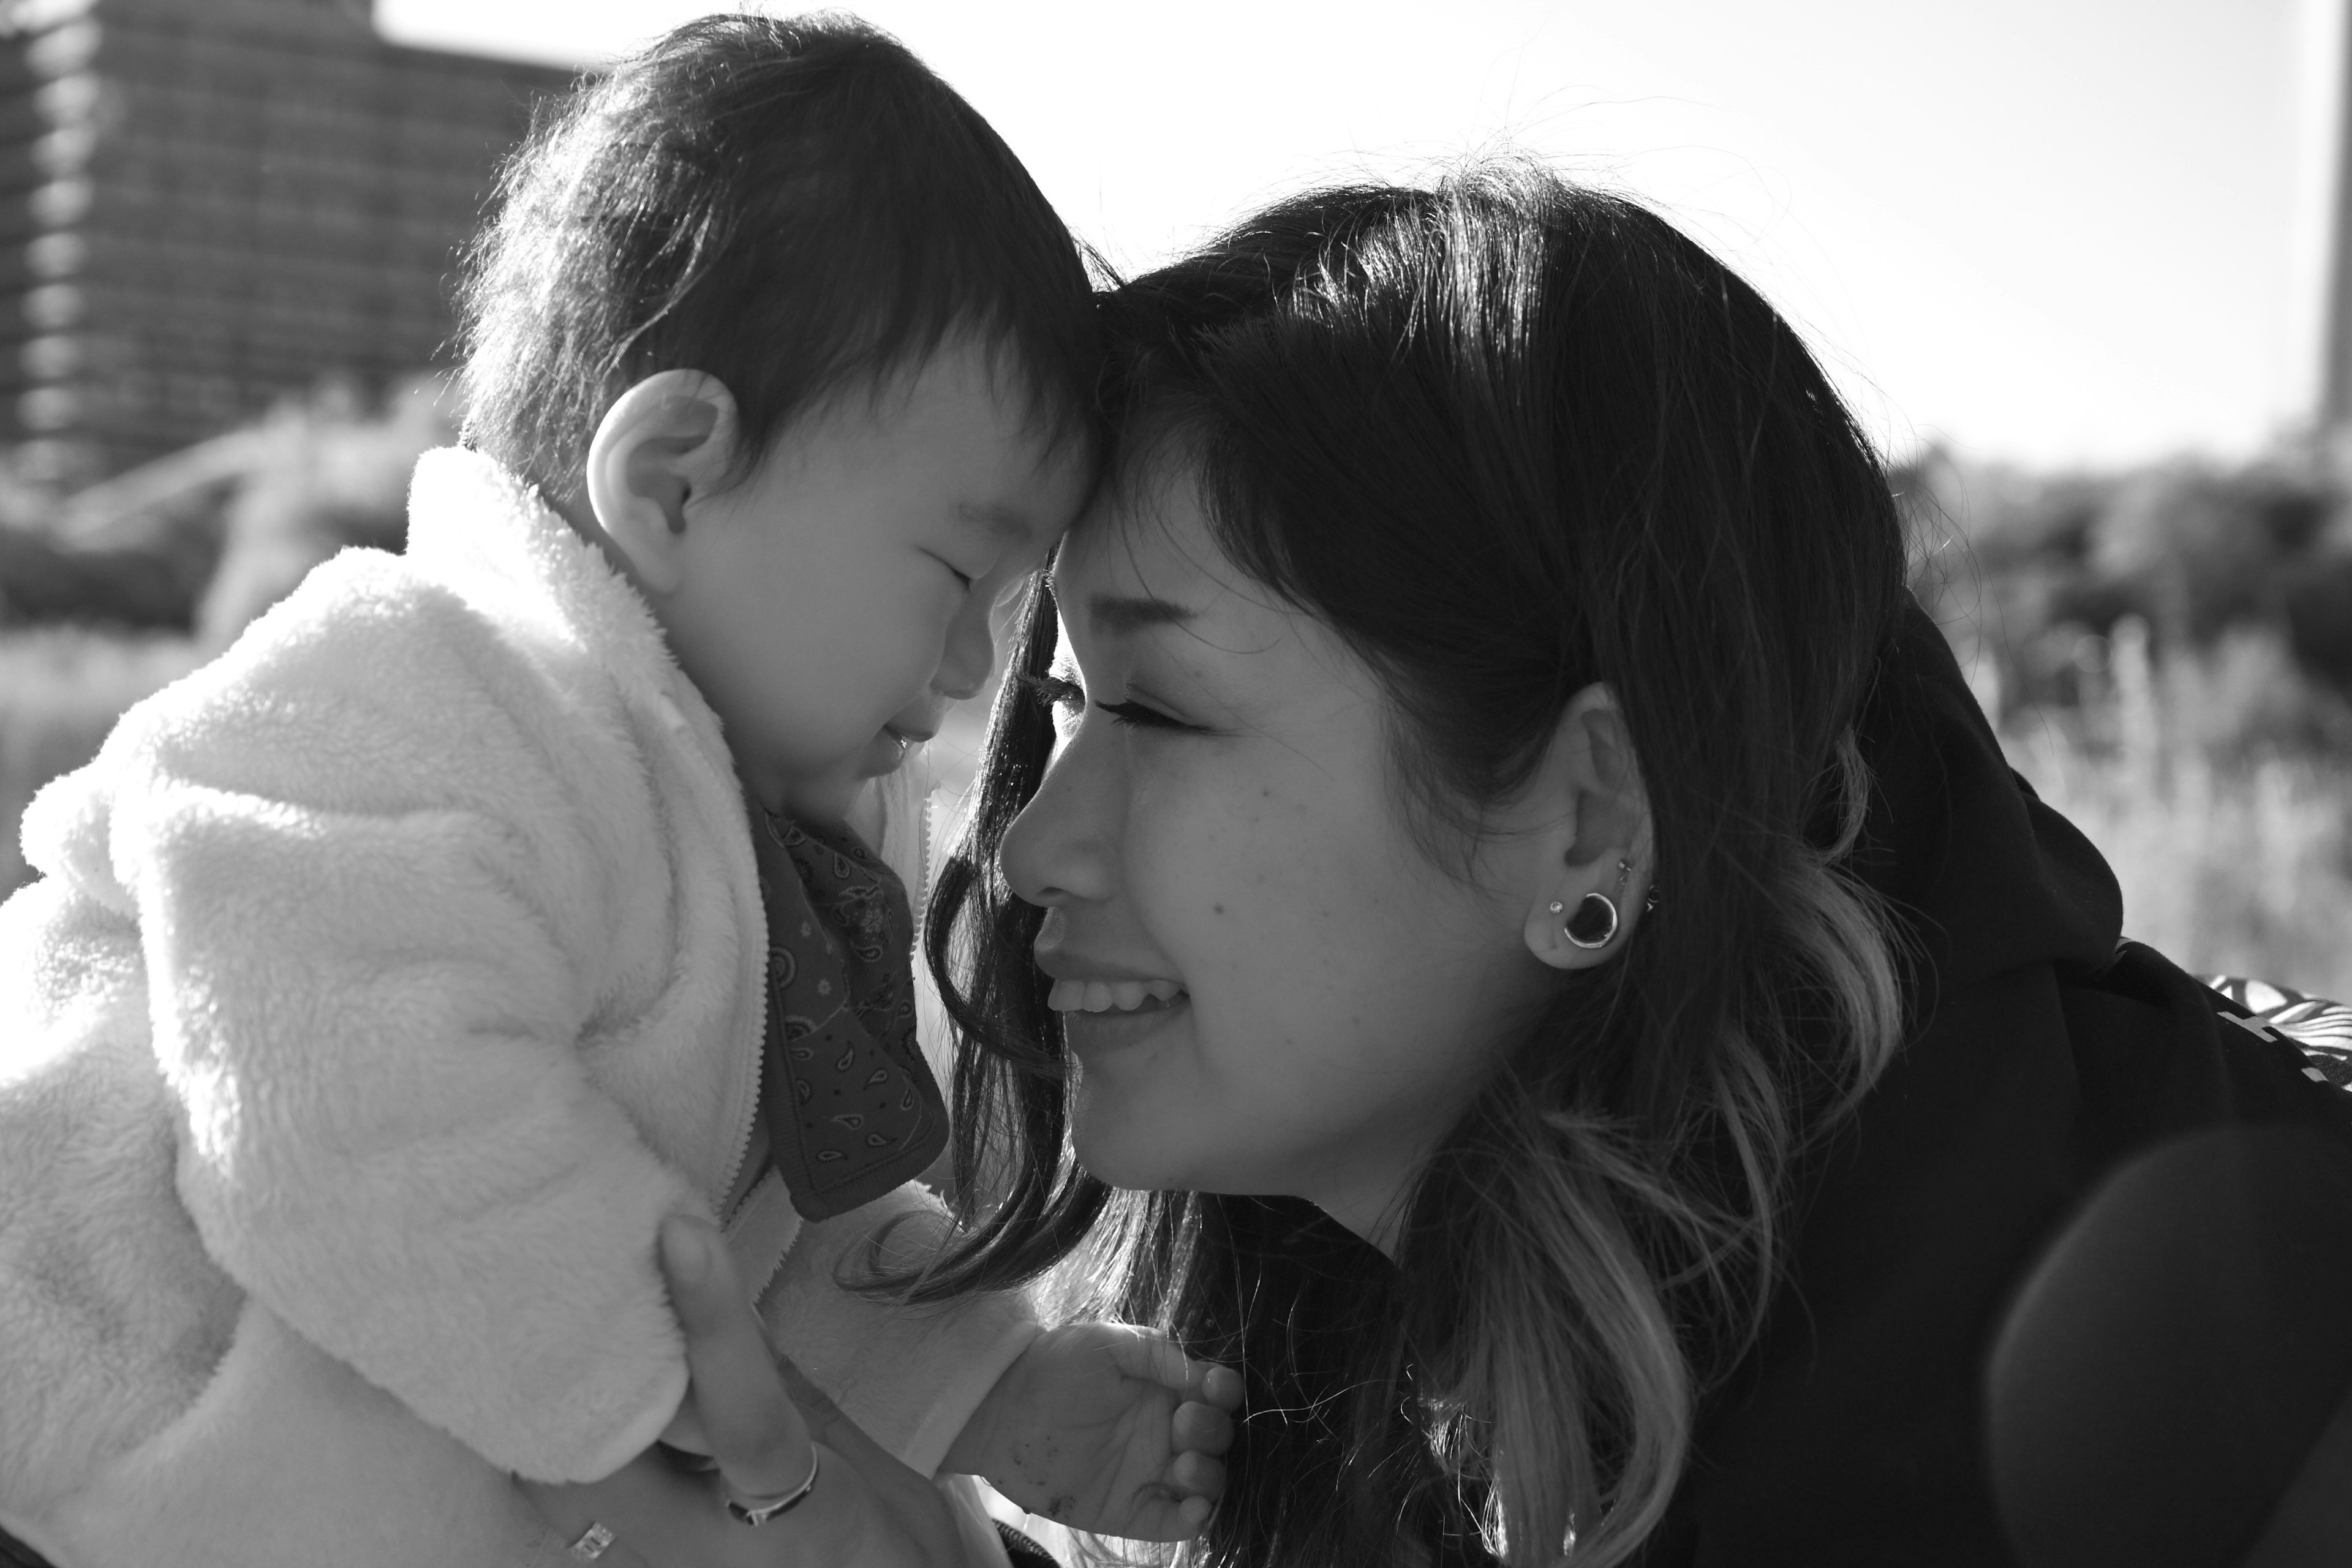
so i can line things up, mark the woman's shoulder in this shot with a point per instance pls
(2319, 1028)
(2161, 1053)
(2021, 1096)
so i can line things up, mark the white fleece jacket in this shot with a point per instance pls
(387, 982)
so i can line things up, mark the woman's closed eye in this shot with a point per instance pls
(1141, 715)
(1069, 700)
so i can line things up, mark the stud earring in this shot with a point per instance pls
(1594, 924)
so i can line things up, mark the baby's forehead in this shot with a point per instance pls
(1015, 458)
(992, 362)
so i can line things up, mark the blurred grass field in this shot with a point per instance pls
(2237, 863)
(2167, 653)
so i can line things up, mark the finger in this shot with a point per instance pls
(1196, 1475)
(1221, 1386)
(571, 1511)
(1203, 1428)
(1168, 1518)
(1140, 1353)
(685, 1429)
(654, 1513)
(748, 1422)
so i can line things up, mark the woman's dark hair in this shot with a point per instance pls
(1509, 438)
(793, 207)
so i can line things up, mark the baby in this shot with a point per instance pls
(391, 978)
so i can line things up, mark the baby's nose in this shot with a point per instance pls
(963, 667)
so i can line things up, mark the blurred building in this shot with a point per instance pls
(206, 205)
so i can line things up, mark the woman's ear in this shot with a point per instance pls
(663, 442)
(1586, 834)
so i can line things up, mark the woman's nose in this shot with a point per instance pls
(1061, 848)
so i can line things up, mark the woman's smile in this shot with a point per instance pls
(1100, 995)
(1111, 1027)
(1104, 1005)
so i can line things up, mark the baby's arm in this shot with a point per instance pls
(367, 990)
(1098, 1425)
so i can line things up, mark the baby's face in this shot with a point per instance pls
(836, 600)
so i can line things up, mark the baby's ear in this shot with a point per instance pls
(663, 442)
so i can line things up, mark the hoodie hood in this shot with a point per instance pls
(1983, 877)
(2040, 1053)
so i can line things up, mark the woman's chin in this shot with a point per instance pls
(1105, 1153)
(1131, 1169)
(1130, 1092)
(1111, 1141)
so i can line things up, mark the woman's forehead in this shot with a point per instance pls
(1148, 579)
(1150, 543)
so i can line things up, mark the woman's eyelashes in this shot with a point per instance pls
(1069, 701)
(1133, 713)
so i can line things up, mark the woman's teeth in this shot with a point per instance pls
(1102, 995)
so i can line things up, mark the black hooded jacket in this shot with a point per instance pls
(1854, 1432)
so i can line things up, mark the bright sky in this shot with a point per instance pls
(2053, 231)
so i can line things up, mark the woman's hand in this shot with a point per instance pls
(763, 1424)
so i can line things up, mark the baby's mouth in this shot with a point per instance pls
(1108, 995)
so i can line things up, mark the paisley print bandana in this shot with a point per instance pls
(851, 1108)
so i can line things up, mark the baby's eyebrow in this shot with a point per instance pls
(1007, 523)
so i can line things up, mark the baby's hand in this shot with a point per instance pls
(1104, 1427)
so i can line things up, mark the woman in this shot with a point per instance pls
(1526, 902)
(1491, 910)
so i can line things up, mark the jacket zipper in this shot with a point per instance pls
(750, 1067)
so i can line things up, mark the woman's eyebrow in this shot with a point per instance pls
(1116, 614)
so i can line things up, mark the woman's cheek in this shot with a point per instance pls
(1174, 846)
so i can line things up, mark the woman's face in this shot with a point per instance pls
(1268, 986)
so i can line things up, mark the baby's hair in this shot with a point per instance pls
(798, 207)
